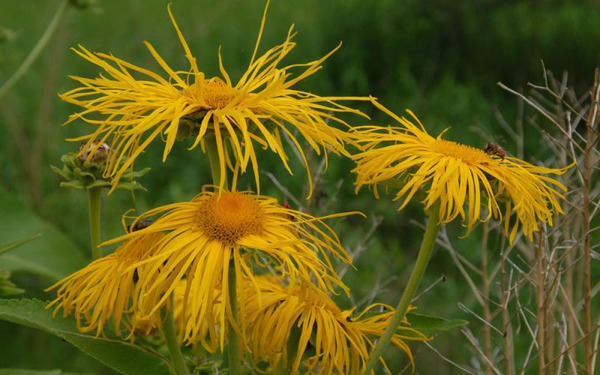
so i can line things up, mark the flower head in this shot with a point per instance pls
(462, 178)
(106, 290)
(202, 236)
(323, 336)
(256, 110)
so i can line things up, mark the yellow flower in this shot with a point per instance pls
(206, 335)
(257, 110)
(296, 327)
(106, 290)
(201, 237)
(462, 178)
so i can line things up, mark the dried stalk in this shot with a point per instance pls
(561, 272)
(588, 167)
(485, 291)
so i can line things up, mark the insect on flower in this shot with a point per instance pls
(99, 153)
(495, 150)
(139, 225)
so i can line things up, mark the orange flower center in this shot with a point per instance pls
(229, 217)
(465, 153)
(214, 92)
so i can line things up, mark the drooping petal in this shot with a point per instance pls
(468, 182)
(106, 290)
(296, 328)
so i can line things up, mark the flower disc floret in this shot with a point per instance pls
(229, 217)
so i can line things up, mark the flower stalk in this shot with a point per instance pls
(170, 334)
(234, 340)
(588, 169)
(427, 245)
(94, 197)
(212, 150)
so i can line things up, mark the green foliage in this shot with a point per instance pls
(114, 352)
(52, 255)
(13, 245)
(7, 287)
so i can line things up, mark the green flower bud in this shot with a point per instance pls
(86, 169)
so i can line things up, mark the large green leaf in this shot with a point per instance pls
(119, 355)
(53, 255)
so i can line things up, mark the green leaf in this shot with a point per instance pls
(65, 173)
(429, 324)
(7, 287)
(9, 290)
(13, 245)
(117, 354)
(53, 255)
(73, 184)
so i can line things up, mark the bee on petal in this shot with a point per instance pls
(494, 150)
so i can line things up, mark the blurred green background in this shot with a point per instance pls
(440, 58)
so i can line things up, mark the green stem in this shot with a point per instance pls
(233, 347)
(37, 50)
(234, 339)
(170, 333)
(425, 251)
(213, 157)
(94, 195)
